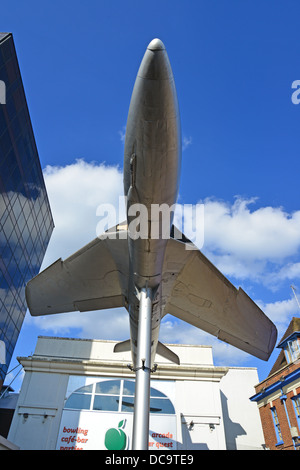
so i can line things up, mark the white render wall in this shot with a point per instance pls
(201, 424)
(212, 404)
(95, 350)
(241, 420)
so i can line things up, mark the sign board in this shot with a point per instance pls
(89, 429)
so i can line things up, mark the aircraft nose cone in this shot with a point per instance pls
(156, 45)
(155, 64)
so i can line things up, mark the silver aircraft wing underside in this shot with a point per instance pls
(195, 291)
(93, 278)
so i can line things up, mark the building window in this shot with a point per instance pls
(115, 395)
(276, 426)
(107, 395)
(291, 348)
(296, 403)
(81, 398)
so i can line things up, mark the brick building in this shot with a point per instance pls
(278, 396)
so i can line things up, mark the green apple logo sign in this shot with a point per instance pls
(116, 439)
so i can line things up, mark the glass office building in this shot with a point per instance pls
(26, 222)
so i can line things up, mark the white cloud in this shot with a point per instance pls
(122, 134)
(288, 272)
(110, 324)
(173, 330)
(75, 191)
(186, 142)
(267, 233)
(245, 243)
(281, 311)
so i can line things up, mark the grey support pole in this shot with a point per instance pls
(140, 435)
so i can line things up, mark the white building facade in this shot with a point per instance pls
(78, 394)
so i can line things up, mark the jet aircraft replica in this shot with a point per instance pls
(151, 276)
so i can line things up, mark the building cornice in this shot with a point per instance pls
(276, 386)
(117, 368)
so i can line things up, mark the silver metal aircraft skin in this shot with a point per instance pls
(117, 270)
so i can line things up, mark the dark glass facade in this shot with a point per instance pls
(26, 222)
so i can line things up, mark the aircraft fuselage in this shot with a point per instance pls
(152, 160)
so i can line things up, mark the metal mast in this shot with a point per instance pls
(294, 289)
(140, 435)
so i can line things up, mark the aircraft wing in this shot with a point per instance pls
(196, 292)
(93, 278)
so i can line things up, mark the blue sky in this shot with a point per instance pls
(234, 64)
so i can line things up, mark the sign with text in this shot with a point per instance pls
(91, 430)
(94, 429)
